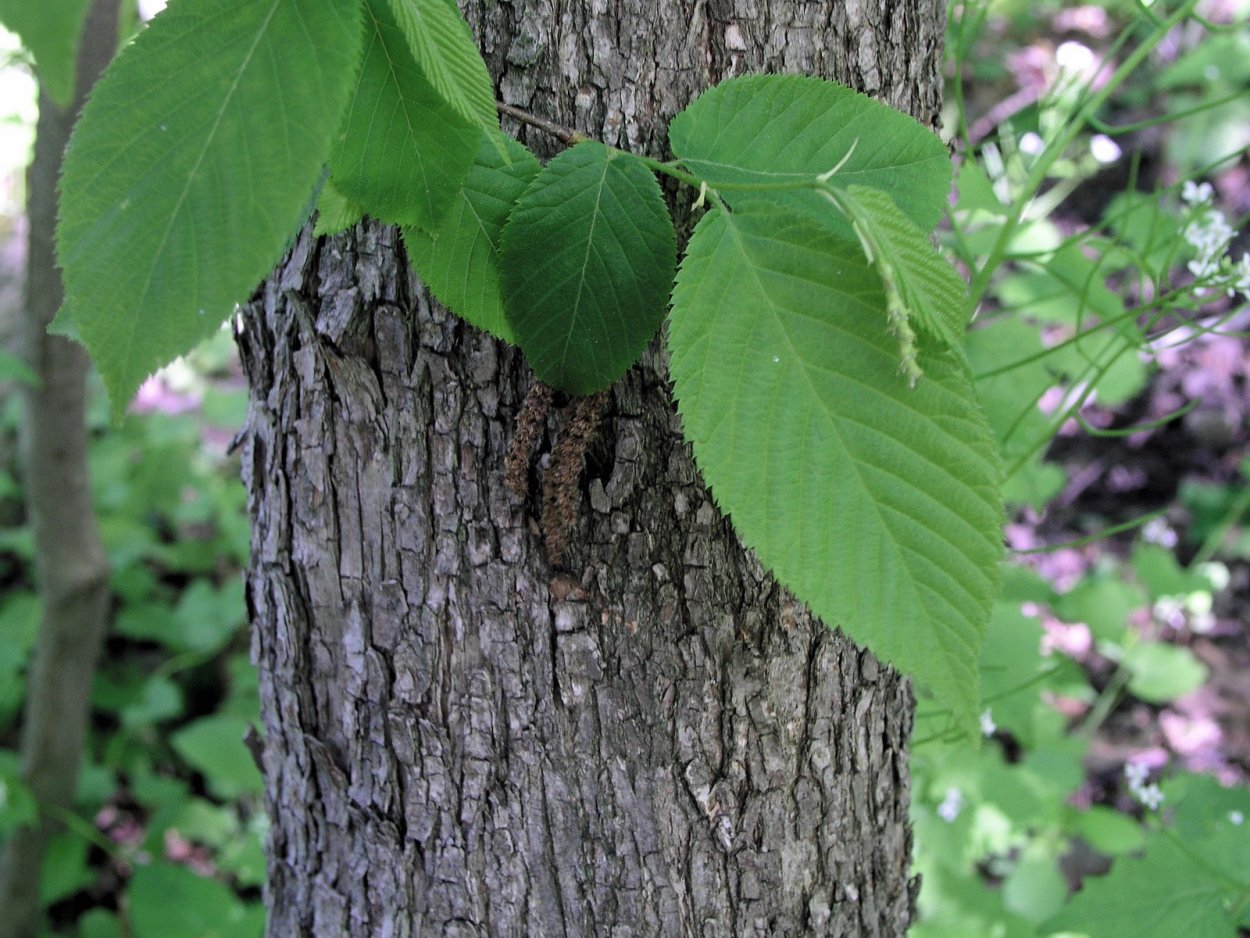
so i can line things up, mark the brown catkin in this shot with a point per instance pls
(529, 427)
(560, 489)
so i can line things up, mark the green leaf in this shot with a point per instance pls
(182, 186)
(930, 290)
(18, 807)
(64, 869)
(459, 261)
(1161, 673)
(1162, 895)
(214, 747)
(447, 55)
(99, 923)
(779, 129)
(877, 504)
(1104, 604)
(587, 265)
(168, 901)
(13, 368)
(403, 151)
(1108, 831)
(1035, 889)
(51, 30)
(335, 211)
(1010, 398)
(158, 699)
(207, 617)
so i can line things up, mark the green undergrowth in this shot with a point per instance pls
(167, 830)
(1094, 245)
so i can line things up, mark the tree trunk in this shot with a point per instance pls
(461, 739)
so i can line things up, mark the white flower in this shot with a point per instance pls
(1236, 818)
(1104, 149)
(1074, 56)
(1169, 610)
(1195, 193)
(1149, 796)
(1032, 144)
(951, 805)
(988, 727)
(1210, 234)
(1242, 273)
(1158, 531)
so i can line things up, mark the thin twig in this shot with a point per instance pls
(565, 135)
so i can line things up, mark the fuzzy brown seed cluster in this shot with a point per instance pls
(559, 483)
(560, 491)
(529, 427)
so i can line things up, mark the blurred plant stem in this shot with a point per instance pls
(70, 562)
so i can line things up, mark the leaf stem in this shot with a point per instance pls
(667, 169)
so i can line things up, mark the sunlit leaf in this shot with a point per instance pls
(403, 151)
(1163, 894)
(780, 129)
(445, 52)
(875, 502)
(182, 186)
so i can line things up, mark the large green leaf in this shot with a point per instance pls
(51, 31)
(183, 185)
(787, 129)
(443, 45)
(875, 502)
(459, 261)
(587, 263)
(403, 151)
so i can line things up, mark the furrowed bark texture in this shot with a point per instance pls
(69, 556)
(653, 739)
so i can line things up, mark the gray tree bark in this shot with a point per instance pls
(69, 556)
(461, 739)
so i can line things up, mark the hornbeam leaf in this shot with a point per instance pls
(403, 151)
(778, 129)
(876, 504)
(184, 181)
(335, 211)
(459, 261)
(930, 289)
(587, 264)
(445, 52)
